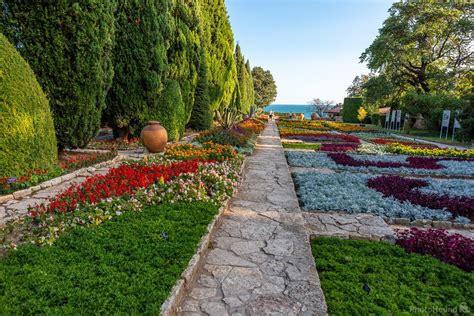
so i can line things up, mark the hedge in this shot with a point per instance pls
(27, 139)
(350, 108)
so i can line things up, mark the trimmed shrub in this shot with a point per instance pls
(27, 139)
(170, 110)
(68, 45)
(350, 108)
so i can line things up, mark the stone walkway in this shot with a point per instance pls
(260, 262)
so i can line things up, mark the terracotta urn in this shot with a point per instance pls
(154, 137)
(314, 116)
(301, 117)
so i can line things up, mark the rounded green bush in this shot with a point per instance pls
(27, 139)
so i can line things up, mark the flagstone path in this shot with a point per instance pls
(260, 262)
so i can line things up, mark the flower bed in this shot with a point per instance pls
(320, 137)
(305, 124)
(361, 277)
(454, 249)
(405, 189)
(348, 192)
(208, 151)
(70, 161)
(301, 146)
(384, 164)
(339, 147)
(384, 141)
(125, 179)
(412, 162)
(126, 188)
(435, 152)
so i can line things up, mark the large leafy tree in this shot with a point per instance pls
(264, 86)
(139, 57)
(423, 44)
(68, 45)
(356, 89)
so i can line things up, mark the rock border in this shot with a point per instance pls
(427, 223)
(188, 277)
(18, 195)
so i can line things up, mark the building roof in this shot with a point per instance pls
(337, 109)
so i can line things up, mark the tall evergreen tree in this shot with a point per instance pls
(218, 41)
(68, 45)
(245, 83)
(183, 53)
(140, 62)
(250, 83)
(202, 115)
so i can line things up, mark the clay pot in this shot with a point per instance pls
(154, 137)
(301, 117)
(314, 116)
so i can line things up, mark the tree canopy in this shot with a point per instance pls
(264, 86)
(422, 45)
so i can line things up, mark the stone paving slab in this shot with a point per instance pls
(355, 226)
(260, 262)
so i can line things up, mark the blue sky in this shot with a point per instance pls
(312, 47)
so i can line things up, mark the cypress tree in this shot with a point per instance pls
(139, 59)
(251, 95)
(170, 110)
(68, 45)
(218, 41)
(201, 117)
(245, 84)
(183, 53)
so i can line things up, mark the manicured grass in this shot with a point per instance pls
(127, 265)
(301, 146)
(400, 283)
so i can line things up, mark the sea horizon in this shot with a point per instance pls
(306, 109)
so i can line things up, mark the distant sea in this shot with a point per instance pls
(291, 108)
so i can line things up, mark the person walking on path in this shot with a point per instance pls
(270, 115)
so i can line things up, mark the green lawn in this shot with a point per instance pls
(127, 265)
(400, 283)
(301, 146)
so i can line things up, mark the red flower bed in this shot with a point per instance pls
(322, 137)
(454, 249)
(125, 179)
(412, 162)
(338, 147)
(404, 189)
(383, 141)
